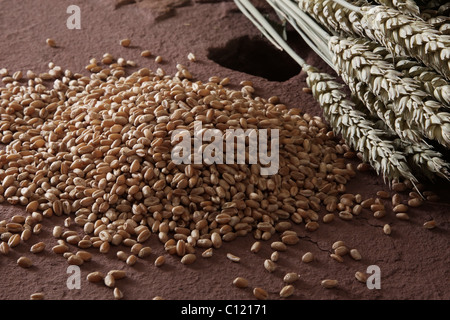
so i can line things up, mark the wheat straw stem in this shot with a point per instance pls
(249, 12)
(317, 43)
(259, 20)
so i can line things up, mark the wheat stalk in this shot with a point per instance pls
(354, 58)
(404, 6)
(355, 129)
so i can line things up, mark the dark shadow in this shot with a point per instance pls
(255, 56)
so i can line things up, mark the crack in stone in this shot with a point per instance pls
(307, 238)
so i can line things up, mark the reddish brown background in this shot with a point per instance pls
(414, 262)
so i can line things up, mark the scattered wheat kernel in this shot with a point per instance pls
(75, 260)
(387, 229)
(278, 246)
(275, 256)
(109, 281)
(37, 296)
(308, 257)
(117, 274)
(131, 260)
(146, 53)
(337, 244)
(291, 277)
(159, 261)
(354, 253)
(158, 59)
(260, 294)
(430, 224)
(287, 291)
(118, 294)
(94, 277)
(188, 258)
(191, 57)
(336, 257)
(269, 265)
(256, 246)
(402, 216)
(329, 283)
(415, 202)
(240, 282)
(341, 250)
(233, 258)
(329, 217)
(24, 262)
(38, 247)
(125, 42)
(51, 42)
(361, 276)
(208, 253)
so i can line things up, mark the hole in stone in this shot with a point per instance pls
(256, 56)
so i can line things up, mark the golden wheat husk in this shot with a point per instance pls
(405, 35)
(358, 132)
(354, 58)
(334, 17)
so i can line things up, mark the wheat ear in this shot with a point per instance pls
(431, 82)
(356, 130)
(423, 158)
(334, 17)
(407, 35)
(354, 58)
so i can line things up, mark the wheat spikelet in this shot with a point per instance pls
(422, 157)
(404, 6)
(335, 17)
(404, 35)
(358, 132)
(377, 108)
(354, 58)
(431, 82)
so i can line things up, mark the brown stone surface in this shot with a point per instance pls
(414, 262)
